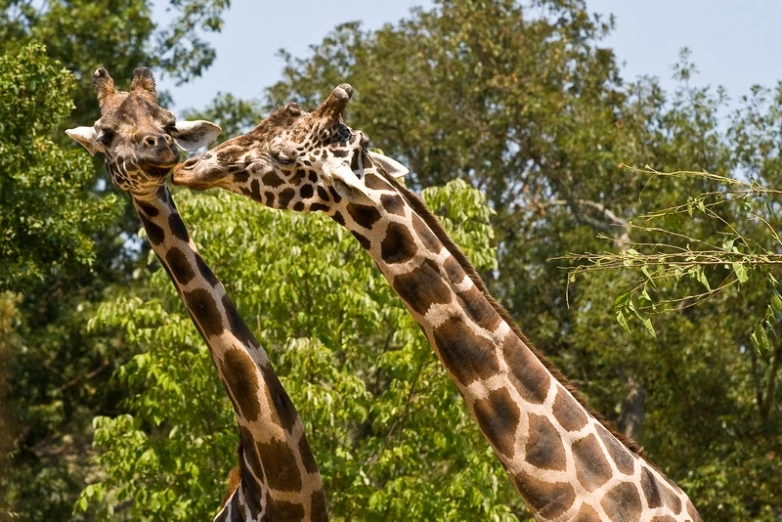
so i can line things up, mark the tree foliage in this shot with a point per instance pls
(47, 213)
(64, 236)
(521, 101)
(388, 428)
(116, 34)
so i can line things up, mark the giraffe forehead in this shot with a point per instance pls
(134, 113)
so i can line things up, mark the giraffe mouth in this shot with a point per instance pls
(196, 175)
(158, 170)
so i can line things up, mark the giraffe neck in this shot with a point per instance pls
(559, 456)
(279, 475)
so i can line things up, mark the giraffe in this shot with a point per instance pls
(278, 478)
(560, 456)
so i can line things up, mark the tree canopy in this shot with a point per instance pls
(518, 126)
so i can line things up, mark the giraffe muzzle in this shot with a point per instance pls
(157, 151)
(196, 174)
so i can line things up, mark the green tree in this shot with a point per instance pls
(47, 212)
(389, 430)
(66, 240)
(49, 218)
(521, 100)
(117, 34)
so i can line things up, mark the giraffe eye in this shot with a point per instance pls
(105, 136)
(283, 159)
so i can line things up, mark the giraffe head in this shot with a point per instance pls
(293, 159)
(138, 137)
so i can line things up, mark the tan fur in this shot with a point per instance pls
(144, 83)
(433, 222)
(234, 479)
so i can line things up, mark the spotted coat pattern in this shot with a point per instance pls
(558, 454)
(278, 477)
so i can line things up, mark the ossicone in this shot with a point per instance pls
(103, 84)
(334, 106)
(144, 83)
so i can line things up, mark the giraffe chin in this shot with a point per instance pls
(157, 171)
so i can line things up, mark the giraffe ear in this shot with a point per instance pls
(345, 182)
(85, 136)
(351, 192)
(391, 166)
(192, 135)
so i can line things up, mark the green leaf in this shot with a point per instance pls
(647, 322)
(622, 320)
(741, 272)
(701, 277)
(760, 340)
(623, 300)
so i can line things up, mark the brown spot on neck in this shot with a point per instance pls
(545, 449)
(202, 305)
(285, 197)
(478, 309)
(278, 458)
(393, 204)
(179, 265)
(240, 373)
(178, 227)
(498, 416)
(363, 215)
(422, 287)
(271, 180)
(623, 503)
(621, 456)
(154, 232)
(398, 245)
(319, 511)
(374, 182)
(466, 355)
(592, 468)
(569, 413)
(549, 500)
(528, 375)
(426, 236)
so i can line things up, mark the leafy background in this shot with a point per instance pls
(110, 408)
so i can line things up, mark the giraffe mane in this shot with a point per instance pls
(234, 479)
(419, 206)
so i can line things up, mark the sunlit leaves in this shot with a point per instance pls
(46, 213)
(520, 100)
(385, 423)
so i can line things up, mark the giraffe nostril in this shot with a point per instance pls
(150, 141)
(190, 163)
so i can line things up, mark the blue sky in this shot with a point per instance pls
(732, 46)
